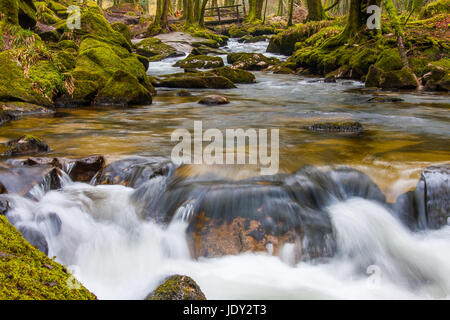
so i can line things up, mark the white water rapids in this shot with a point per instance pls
(117, 255)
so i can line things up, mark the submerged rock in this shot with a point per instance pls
(213, 100)
(234, 75)
(196, 80)
(35, 237)
(4, 206)
(183, 93)
(26, 145)
(177, 287)
(337, 127)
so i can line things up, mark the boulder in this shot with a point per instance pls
(212, 100)
(204, 50)
(123, 89)
(398, 79)
(252, 39)
(26, 145)
(200, 61)
(250, 61)
(4, 206)
(428, 206)
(156, 50)
(177, 287)
(234, 75)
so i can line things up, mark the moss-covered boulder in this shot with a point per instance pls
(123, 89)
(234, 75)
(284, 42)
(437, 76)
(156, 50)
(207, 43)
(205, 50)
(28, 274)
(16, 85)
(123, 29)
(252, 39)
(177, 287)
(398, 79)
(250, 61)
(200, 61)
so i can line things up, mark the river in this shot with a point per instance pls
(118, 255)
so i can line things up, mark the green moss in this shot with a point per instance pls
(123, 89)
(361, 61)
(207, 34)
(284, 42)
(26, 273)
(196, 80)
(435, 8)
(10, 11)
(389, 60)
(155, 49)
(123, 29)
(47, 78)
(66, 44)
(235, 75)
(236, 32)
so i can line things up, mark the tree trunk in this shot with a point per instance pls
(164, 15)
(201, 20)
(315, 10)
(291, 12)
(280, 9)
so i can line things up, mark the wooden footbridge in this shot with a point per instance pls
(224, 15)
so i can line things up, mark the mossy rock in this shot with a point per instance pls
(123, 29)
(15, 85)
(398, 79)
(177, 287)
(284, 42)
(207, 34)
(200, 61)
(68, 44)
(207, 43)
(28, 274)
(236, 32)
(155, 49)
(235, 75)
(26, 145)
(123, 89)
(252, 39)
(250, 61)
(389, 60)
(204, 50)
(361, 62)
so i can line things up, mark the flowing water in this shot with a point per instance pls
(117, 253)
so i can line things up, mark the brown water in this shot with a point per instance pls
(399, 139)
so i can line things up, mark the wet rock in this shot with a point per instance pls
(35, 238)
(20, 179)
(134, 171)
(4, 206)
(428, 206)
(3, 189)
(53, 222)
(207, 43)
(196, 80)
(352, 127)
(177, 287)
(16, 109)
(200, 61)
(252, 39)
(330, 79)
(279, 69)
(80, 170)
(183, 93)
(26, 145)
(250, 61)
(212, 100)
(385, 99)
